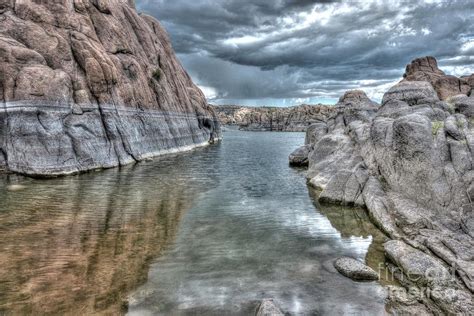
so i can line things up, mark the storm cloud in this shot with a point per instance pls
(286, 52)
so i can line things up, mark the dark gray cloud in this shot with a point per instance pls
(291, 51)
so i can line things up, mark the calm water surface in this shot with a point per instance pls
(208, 232)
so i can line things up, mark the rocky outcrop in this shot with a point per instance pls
(292, 119)
(426, 69)
(410, 164)
(354, 269)
(88, 84)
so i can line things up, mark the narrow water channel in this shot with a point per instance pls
(207, 232)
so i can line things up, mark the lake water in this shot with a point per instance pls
(207, 232)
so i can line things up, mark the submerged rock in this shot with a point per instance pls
(16, 187)
(268, 308)
(92, 84)
(354, 269)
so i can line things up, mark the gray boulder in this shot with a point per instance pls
(462, 104)
(411, 92)
(268, 308)
(354, 269)
(299, 158)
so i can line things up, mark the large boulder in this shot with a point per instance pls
(463, 104)
(299, 158)
(426, 69)
(356, 99)
(411, 92)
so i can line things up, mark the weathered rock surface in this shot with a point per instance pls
(268, 308)
(426, 69)
(299, 158)
(410, 163)
(429, 280)
(88, 84)
(354, 269)
(292, 119)
(356, 99)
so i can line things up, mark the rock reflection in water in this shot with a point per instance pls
(257, 235)
(78, 245)
(355, 222)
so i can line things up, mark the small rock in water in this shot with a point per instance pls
(268, 308)
(299, 158)
(15, 187)
(355, 269)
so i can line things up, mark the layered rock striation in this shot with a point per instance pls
(289, 119)
(88, 84)
(409, 162)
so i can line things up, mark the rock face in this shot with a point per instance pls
(292, 119)
(410, 163)
(426, 69)
(88, 84)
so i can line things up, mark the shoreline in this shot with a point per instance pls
(150, 157)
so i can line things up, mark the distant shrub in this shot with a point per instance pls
(436, 126)
(451, 106)
(157, 74)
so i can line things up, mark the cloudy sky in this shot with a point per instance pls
(286, 52)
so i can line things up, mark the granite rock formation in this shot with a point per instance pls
(88, 84)
(426, 69)
(290, 119)
(410, 164)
